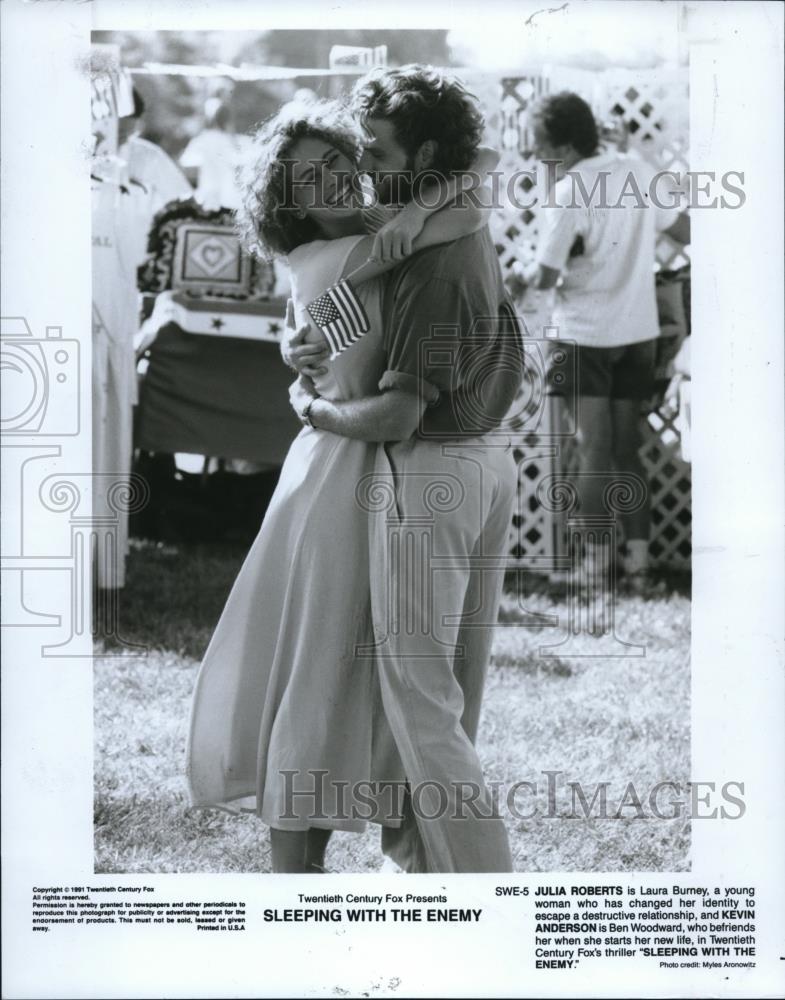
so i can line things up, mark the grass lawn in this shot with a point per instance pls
(588, 719)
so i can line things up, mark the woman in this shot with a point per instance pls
(287, 717)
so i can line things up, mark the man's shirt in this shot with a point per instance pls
(452, 337)
(607, 298)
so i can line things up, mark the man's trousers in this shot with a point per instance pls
(440, 517)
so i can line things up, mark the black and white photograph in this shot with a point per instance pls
(567, 506)
(357, 518)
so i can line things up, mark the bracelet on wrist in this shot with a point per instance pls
(305, 415)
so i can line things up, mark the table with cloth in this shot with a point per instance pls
(215, 383)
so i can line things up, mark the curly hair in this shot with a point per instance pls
(267, 222)
(568, 121)
(423, 103)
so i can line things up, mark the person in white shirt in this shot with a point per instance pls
(147, 164)
(598, 230)
(213, 156)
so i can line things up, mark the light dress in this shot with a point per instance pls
(287, 718)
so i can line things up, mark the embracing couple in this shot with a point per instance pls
(344, 679)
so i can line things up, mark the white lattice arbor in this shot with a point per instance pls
(671, 488)
(646, 111)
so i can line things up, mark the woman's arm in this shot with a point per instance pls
(425, 222)
(436, 214)
(449, 224)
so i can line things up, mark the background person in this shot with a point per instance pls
(147, 164)
(212, 157)
(601, 252)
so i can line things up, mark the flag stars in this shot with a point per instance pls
(340, 316)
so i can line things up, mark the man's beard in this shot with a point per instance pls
(395, 188)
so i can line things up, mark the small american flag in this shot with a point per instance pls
(340, 316)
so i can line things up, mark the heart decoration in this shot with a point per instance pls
(213, 256)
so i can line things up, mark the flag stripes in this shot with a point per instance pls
(339, 314)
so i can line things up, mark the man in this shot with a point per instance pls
(454, 364)
(598, 229)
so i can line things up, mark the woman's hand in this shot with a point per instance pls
(394, 240)
(306, 358)
(396, 230)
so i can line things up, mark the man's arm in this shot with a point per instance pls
(542, 276)
(559, 229)
(488, 368)
(534, 275)
(393, 415)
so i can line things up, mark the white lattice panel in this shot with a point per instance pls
(670, 482)
(537, 537)
(653, 109)
(650, 111)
